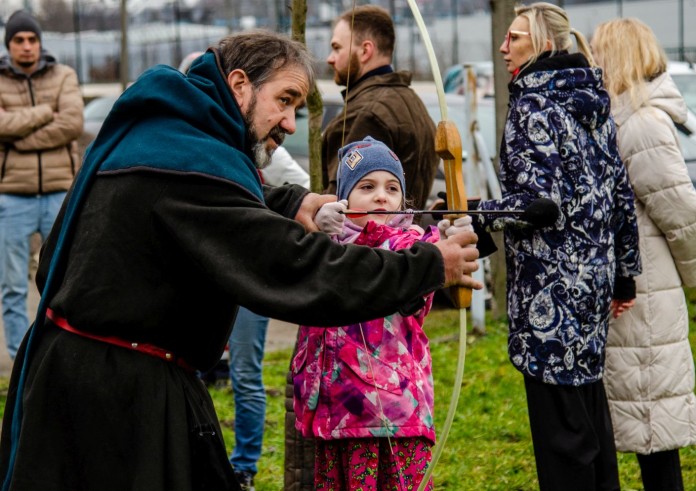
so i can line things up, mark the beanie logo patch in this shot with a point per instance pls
(393, 155)
(353, 159)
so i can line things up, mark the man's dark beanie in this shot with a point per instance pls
(21, 21)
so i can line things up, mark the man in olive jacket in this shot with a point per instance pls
(379, 102)
(40, 119)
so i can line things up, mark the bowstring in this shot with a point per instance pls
(350, 57)
(382, 415)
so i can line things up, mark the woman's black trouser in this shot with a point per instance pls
(661, 471)
(573, 437)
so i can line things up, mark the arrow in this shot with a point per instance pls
(358, 213)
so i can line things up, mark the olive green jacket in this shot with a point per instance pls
(387, 109)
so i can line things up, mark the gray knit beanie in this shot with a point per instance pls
(359, 158)
(20, 21)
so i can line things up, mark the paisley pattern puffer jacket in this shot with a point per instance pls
(560, 143)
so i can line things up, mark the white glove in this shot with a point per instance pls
(330, 217)
(462, 224)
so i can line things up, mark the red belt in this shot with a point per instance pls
(148, 349)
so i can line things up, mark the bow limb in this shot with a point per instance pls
(448, 146)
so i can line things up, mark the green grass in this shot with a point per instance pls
(489, 447)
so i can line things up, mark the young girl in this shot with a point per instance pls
(365, 391)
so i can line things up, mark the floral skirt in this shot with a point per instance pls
(371, 464)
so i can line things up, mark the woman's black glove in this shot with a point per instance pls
(624, 288)
(542, 212)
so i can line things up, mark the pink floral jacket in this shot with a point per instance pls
(372, 379)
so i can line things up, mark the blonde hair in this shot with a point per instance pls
(550, 22)
(630, 56)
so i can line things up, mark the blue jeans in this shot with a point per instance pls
(246, 356)
(20, 217)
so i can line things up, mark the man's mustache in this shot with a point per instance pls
(277, 134)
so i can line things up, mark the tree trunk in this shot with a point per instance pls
(299, 451)
(314, 103)
(502, 14)
(124, 62)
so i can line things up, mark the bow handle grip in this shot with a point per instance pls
(448, 146)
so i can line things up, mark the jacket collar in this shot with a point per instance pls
(382, 70)
(548, 61)
(45, 62)
(402, 78)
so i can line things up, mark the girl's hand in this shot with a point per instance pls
(330, 218)
(447, 229)
(311, 204)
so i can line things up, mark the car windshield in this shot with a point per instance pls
(686, 83)
(688, 147)
(297, 143)
(456, 112)
(97, 109)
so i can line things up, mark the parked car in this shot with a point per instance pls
(96, 111)
(333, 105)
(684, 75)
(688, 148)
(455, 78)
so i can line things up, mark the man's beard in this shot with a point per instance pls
(342, 78)
(262, 155)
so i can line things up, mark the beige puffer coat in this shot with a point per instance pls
(649, 373)
(41, 119)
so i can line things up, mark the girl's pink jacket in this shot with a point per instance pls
(372, 379)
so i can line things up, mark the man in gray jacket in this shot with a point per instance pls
(40, 119)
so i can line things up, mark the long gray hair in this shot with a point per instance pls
(261, 54)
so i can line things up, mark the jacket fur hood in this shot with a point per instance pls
(569, 81)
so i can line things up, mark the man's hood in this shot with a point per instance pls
(46, 61)
(170, 122)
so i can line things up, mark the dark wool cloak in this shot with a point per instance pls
(160, 247)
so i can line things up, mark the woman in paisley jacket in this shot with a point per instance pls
(564, 280)
(650, 369)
